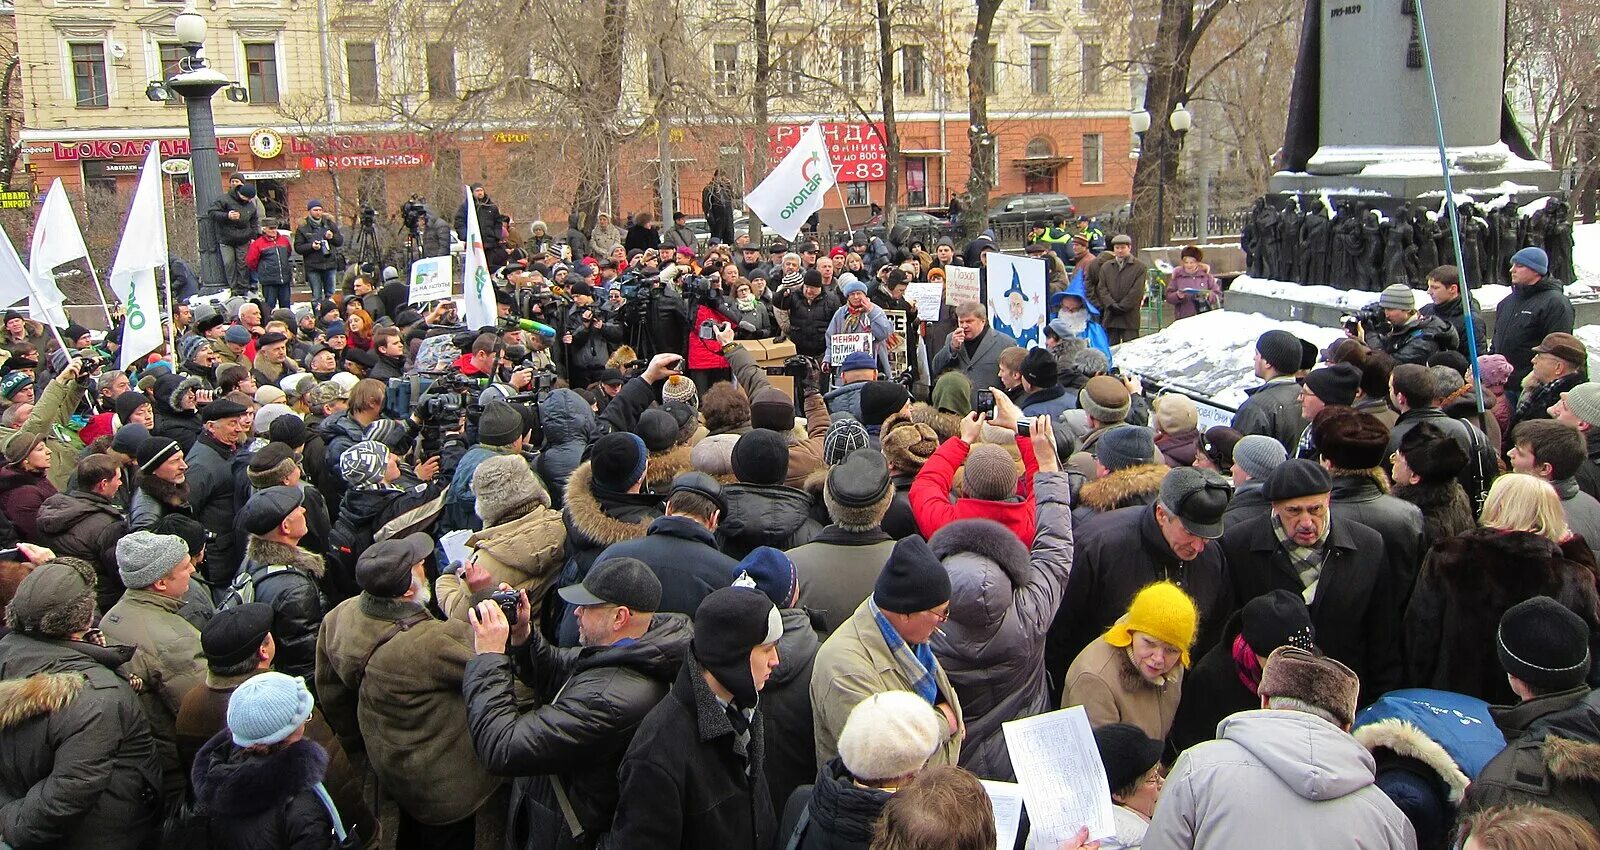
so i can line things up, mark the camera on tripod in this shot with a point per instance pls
(697, 288)
(369, 216)
(412, 211)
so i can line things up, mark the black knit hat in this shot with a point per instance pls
(1295, 478)
(1039, 368)
(1127, 753)
(289, 430)
(617, 460)
(761, 457)
(1545, 644)
(658, 430)
(129, 402)
(1349, 438)
(912, 580)
(1336, 384)
(1432, 455)
(880, 399)
(1276, 618)
(730, 623)
(1281, 350)
(154, 451)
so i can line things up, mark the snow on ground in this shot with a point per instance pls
(1343, 299)
(1212, 354)
(1586, 253)
(1589, 335)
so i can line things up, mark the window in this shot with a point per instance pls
(1093, 150)
(1091, 68)
(916, 181)
(1039, 68)
(725, 69)
(857, 194)
(791, 61)
(989, 67)
(261, 71)
(1038, 5)
(853, 66)
(441, 70)
(89, 76)
(913, 71)
(99, 176)
(361, 71)
(171, 55)
(1090, 5)
(1039, 147)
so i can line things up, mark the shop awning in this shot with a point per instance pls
(1041, 161)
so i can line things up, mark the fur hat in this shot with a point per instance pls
(506, 488)
(1106, 399)
(1162, 611)
(54, 600)
(988, 473)
(761, 457)
(1315, 679)
(890, 734)
(907, 445)
(1350, 439)
(1432, 455)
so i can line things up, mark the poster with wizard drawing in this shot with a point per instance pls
(1016, 293)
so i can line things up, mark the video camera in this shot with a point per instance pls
(442, 404)
(697, 288)
(369, 216)
(411, 211)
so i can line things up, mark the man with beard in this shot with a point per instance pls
(163, 483)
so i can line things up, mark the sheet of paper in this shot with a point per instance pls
(1063, 781)
(927, 297)
(961, 285)
(455, 545)
(1007, 800)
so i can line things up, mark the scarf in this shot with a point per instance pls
(1246, 664)
(855, 322)
(1307, 561)
(916, 664)
(746, 305)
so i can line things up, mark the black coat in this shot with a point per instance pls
(899, 522)
(86, 525)
(842, 812)
(595, 519)
(685, 782)
(235, 232)
(791, 753)
(765, 515)
(1551, 758)
(1359, 498)
(641, 238)
(808, 320)
(1415, 342)
(1454, 314)
(1357, 610)
(211, 498)
(298, 604)
(592, 702)
(1116, 554)
(488, 221)
(180, 426)
(1272, 409)
(683, 554)
(263, 803)
(1524, 318)
(1212, 690)
(1466, 586)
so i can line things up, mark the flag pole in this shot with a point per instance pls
(100, 291)
(844, 207)
(172, 313)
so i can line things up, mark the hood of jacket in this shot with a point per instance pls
(263, 552)
(64, 510)
(1133, 485)
(1403, 738)
(43, 676)
(168, 388)
(764, 515)
(343, 422)
(1076, 286)
(565, 417)
(796, 648)
(986, 562)
(1572, 742)
(1316, 759)
(227, 782)
(606, 517)
(658, 653)
(842, 809)
(361, 507)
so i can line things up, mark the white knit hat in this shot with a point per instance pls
(889, 735)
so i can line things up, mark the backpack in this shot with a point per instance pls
(243, 587)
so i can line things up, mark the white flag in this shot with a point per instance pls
(794, 190)
(480, 310)
(133, 274)
(13, 277)
(56, 241)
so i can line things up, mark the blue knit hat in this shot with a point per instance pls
(267, 708)
(334, 329)
(773, 573)
(852, 286)
(1532, 258)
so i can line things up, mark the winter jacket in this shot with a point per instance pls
(845, 399)
(182, 426)
(591, 347)
(272, 260)
(1128, 487)
(791, 755)
(1445, 510)
(592, 700)
(1003, 596)
(1360, 496)
(1273, 409)
(687, 783)
(263, 803)
(54, 408)
(930, 493)
(809, 319)
(1536, 401)
(1186, 303)
(1466, 584)
(1316, 782)
(569, 424)
(1212, 690)
(981, 366)
(412, 720)
(488, 221)
(900, 523)
(684, 556)
(1583, 513)
(339, 432)
(1418, 339)
(1552, 756)
(86, 525)
(1454, 314)
(842, 813)
(460, 501)
(236, 232)
(211, 497)
(596, 518)
(1118, 289)
(1115, 555)
(1104, 681)
(1524, 318)
(604, 238)
(1048, 401)
(436, 236)
(205, 713)
(153, 500)
(362, 515)
(80, 770)
(1356, 612)
(1249, 501)
(167, 657)
(526, 552)
(876, 322)
(296, 598)
(575, 238)
(765, 515)
(642, 238)
(837, 570)
(679, 237)
(21, 495)
(310, 232)
(855, 663)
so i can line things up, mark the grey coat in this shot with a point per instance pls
(1273, 409)
(1583, 513)
(837, 570)
(1003, 597)
(983, 368)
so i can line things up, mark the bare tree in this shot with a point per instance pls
(980, 143)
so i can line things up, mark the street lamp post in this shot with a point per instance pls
(197, 84)
(1180, 121)
(1139, 122)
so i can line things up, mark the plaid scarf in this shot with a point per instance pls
(916, 664)
(1306, 560)
(856, 322)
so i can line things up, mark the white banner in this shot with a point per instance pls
(961, 285)
(844, 345)
(479, 291)
(56, 241)
(432, 279)
(13, 277)
(794, 190)
(1017, 297)
(133, 273)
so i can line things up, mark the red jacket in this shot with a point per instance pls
(930, 493)
(703, 353)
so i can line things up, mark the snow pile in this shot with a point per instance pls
(1212, 354)
(1586, 253)
(1327, 296)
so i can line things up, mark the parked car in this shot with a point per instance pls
(1030, 209)
(923, 224)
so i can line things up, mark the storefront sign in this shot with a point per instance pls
(135, 148)
(363, 143)
(856, 150)
(286, 174)
(266, 143)
(343, 162)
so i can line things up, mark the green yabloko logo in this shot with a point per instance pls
(136, 318)
(813, 180)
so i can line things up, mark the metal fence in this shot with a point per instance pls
(1187, 225)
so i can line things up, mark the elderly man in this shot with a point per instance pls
(973, 348)
(1560, 362)
(211, 491)
(280, 573)
(1337, 565)
(1580, 408)
(1118, 285)
(1537, 307)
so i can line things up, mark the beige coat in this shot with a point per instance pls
(526, 552)
(855, 663)
(167, 658)
(1102, 680)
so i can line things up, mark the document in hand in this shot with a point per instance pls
(1063, 781)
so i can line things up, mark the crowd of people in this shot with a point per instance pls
(345, 573)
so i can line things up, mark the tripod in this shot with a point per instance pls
(364, 244)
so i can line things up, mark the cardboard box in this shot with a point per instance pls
(768, 352)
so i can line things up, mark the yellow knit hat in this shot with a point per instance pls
(1162, 611)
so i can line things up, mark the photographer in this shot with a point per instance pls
(773, 409)
(315, 240)
(54, 408)
(1394, 326)
(587, 337)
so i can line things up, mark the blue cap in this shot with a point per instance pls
(335, 329)
(1532, 258)
(853, 286)
(858, 360)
